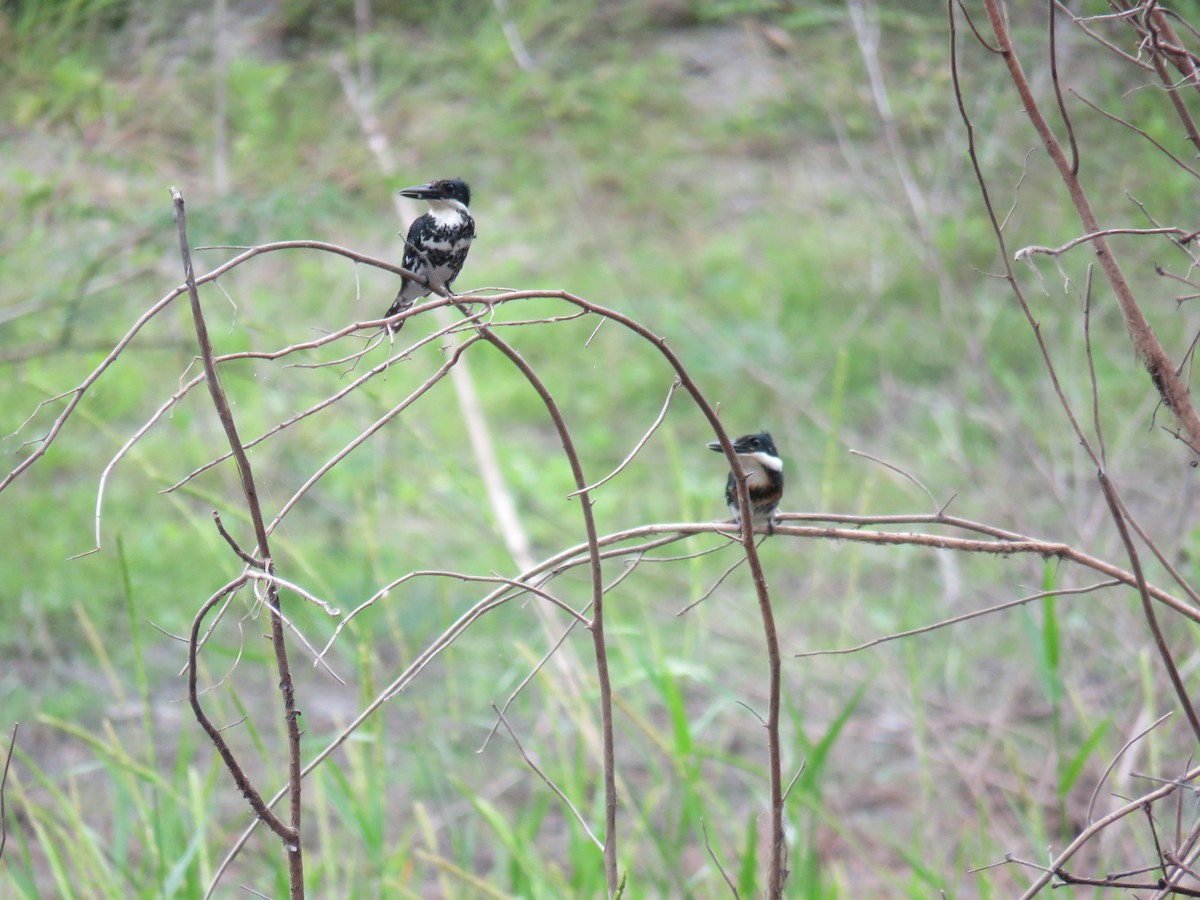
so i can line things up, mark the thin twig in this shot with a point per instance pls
(542, 775)
(1141, 131)
(956, 620)
(1058, 94)
(1092, 380)
(636, 447)
(1113, 762)
(12, 743)
(898, 471)
(1160, 642)
(1092, 830)
(527, 679)
(261, 810)
(729, 570)
(1026, 252)
(521, 588)
(242, 554)
(717, 862)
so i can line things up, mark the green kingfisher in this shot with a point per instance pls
(437, 242)
(764, 478)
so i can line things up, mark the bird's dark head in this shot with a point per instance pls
(758, 447)
(445, 189)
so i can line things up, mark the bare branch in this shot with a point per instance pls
(1026, 252)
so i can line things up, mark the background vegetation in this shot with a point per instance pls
(730, 175)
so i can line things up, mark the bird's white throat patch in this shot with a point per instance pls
(447, 212)
(755, 462)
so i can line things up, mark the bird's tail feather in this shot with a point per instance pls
(398, 305)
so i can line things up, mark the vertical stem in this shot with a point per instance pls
(291, 846)
(597, 624)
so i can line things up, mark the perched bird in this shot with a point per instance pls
(437, 242)
(764, 478)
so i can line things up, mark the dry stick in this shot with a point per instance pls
(1174, 391)
(956, 620)
(522, 588)
(597, 624)
(546, 778)
(1187, 849)
(1116, 882)
(290, 835)
(1078, 22)
(791, 784)
(939, 518)
(1174, 860)
(1098, 826)
(289, 625)
(662, 414)
(233, 544)
(262, 810)
(1058, 94)
(729, 570)
(903, 474)
(1140, 131)
(720, 868)
(1045, 549)
(1026, 252)
(120, 454)
(1147, 607)
(1113, 762)
(12, 743)
(1095, 384)
(630, 565)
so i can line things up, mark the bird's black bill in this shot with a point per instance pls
(715, 445)
(420, 192)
